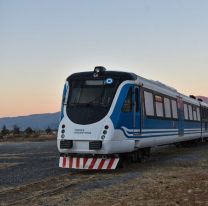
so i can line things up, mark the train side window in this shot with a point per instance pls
(198, 114)
(174, 109)
(167, 107)
(202, 113)
(137, 99)
(159, 106)
(205, 114)
(206, 117)
(194, 114)
(127, 106)
(186, 111)
(148, 101)
(190, 112)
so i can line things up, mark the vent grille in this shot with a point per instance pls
(66, 144)
(95, 145)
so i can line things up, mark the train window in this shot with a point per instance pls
(136, 99)
(174, 109)
(149, 106)
(127, 106)
(159, 106)
(186, 111)
(206, 114)
(203, 113)
(167, 108)
(198, 114)
(194, 114)
(190, 112)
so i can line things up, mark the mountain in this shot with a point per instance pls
(205, 99)
(35, 121)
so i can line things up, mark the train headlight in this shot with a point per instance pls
(103, 137)
(106, 126)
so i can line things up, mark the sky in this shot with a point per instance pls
(44, 41)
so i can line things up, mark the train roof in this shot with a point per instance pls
(161, 87)
(122, 75)
(157, 83)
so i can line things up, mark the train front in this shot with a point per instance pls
(86, 131)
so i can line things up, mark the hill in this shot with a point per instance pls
(35, 121)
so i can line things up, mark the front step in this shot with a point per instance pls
(88, 163)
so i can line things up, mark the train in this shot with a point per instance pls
(110, 116)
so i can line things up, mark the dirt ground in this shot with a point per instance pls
(172, 176)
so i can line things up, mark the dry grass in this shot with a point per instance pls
(156, 187)
(7, 165)
(31, 138)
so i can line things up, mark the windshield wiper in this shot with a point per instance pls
(76, 104)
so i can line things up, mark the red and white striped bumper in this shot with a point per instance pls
(88, 163)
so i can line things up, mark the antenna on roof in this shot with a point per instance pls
(99, 70)
(192, 96)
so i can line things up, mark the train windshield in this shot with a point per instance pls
(91, 93)
(90, 100)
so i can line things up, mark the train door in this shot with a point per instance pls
(180, 116)
(126, 119)
(129, 118)
(136, 111)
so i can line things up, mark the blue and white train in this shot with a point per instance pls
(109, 115)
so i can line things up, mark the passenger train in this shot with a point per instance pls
(108, 116)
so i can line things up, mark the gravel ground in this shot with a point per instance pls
(172, 176)
(27, 162)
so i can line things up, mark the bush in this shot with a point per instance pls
(48, 130)
(16, 129)
(29, 131)
(4, 131)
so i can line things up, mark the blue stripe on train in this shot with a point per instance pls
(156, 135)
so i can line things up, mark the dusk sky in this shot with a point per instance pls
(44, 41)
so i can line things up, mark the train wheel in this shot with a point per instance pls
(141, 155)
(145, 154)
